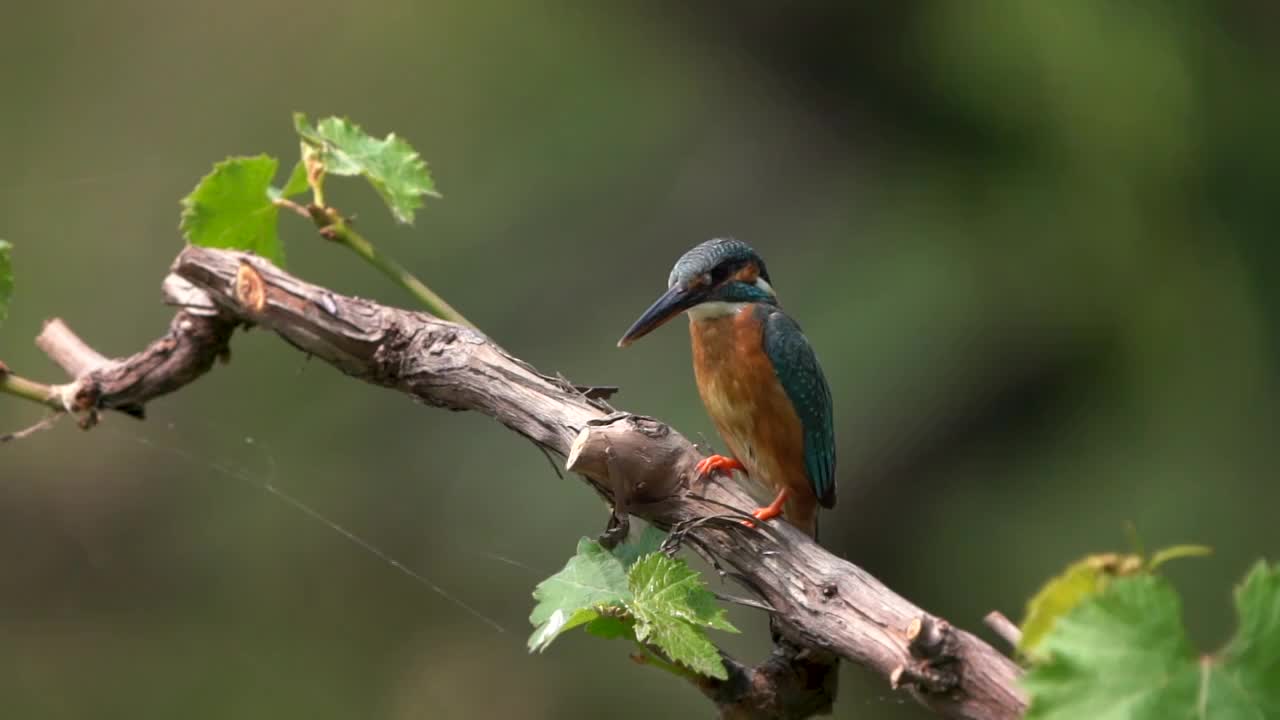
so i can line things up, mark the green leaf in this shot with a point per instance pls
(669, 605)
(1081, 580)
(637, 547)
(668, 586)
(394, 168)
(231, 208)
(559, 622)
(6, 279)
(1124, 654)
(1116, 655)
(1084, 579)
(684, 643)
(659, 601)
(592, 578)
(295, 185)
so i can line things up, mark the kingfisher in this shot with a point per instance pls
(758, 378)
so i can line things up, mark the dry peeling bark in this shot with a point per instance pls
(823, 608)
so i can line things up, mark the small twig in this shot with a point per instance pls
(66, 349)
(47, 395)
(291, 206)
(555, 466)
(1003, 627)
(45, 423)
(745, 602)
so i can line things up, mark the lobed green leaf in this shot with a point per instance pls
(671, 606)
(669, 587)
(682, 642)
(394, 168)
(592, 578)
(632, 592)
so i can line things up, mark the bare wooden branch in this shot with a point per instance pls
(825, 607)
(1004, 627)
(821, 601)
(181, 355)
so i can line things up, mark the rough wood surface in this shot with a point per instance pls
(823, 607)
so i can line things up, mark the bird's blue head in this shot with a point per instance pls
(715, 278)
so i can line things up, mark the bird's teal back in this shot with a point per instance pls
(798, 371)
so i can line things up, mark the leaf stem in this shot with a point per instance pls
(647, 656)
(341, 233)
(334, 227)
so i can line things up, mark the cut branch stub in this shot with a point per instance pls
(66, 349)
(1004, 627)
(636, 459)
(251, 291)
(933, 668)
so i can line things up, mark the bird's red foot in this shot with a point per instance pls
(770, 511)
(712, 464)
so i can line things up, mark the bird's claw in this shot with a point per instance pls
(768, 512)
(713, 464)
(763, 514)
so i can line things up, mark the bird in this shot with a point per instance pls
(757, 375)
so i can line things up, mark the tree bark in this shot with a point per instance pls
(823, 607)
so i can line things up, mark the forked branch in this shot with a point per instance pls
(823, 607)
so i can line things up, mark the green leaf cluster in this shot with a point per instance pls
(1124, 653)
(6, 279)
(236, 206)
(637, 593)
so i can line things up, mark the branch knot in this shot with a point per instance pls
(933, 648)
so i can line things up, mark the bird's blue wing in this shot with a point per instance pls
(802, 379)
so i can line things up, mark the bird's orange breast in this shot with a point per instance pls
(746, 402)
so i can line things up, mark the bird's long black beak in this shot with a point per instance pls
(673, 302)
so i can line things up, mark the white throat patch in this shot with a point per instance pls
(712, 310)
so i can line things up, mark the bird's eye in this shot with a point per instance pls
(704, 279)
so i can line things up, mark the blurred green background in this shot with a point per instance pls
(1033, 244)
